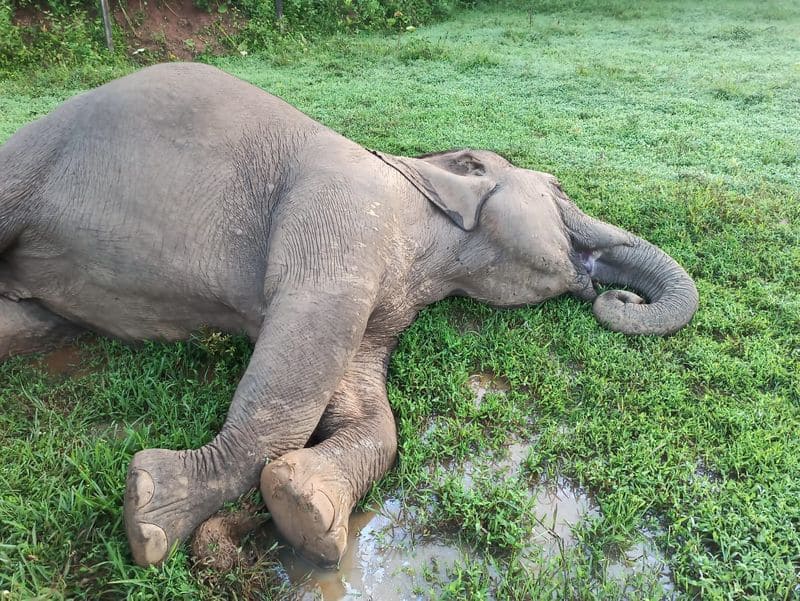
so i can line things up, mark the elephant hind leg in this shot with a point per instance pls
(299, 358)
(311, 492)
(27, 327)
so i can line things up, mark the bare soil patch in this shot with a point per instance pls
(176, 30)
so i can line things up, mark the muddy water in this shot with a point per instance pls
(384, 561)
(66, 361)
(482, 383)
(643, 559)
(62, 362)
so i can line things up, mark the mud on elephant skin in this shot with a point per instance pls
(180, 197)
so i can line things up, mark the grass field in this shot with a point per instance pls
(679, 121)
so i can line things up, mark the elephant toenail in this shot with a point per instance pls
(153, 545)
(340, 540)
(141, 487)
(326, 510)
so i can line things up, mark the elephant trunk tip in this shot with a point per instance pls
(668, 300)
(628, 313)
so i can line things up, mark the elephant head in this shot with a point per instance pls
(523, 241)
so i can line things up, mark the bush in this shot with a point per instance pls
(311, 17)
(11, 45)
(70, 32)
(61, 34)
(328, 16)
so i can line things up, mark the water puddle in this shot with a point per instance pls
(387, 560)
(557, 508)
(705, 473)
(384, 561)
(483, 383)
(63, 362)
(507, 464)
(642, 560)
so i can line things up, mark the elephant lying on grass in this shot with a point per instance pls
(180, 197)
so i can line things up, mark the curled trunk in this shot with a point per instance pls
(611, 255)
(670, 295)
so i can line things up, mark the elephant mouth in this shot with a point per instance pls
(658, 296)
(585, 286)
(587, 260)
(604, 255)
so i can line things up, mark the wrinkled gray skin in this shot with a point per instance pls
(180, 197)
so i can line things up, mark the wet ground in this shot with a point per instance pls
(384, 561)
(387, 560)
(65, 361)
(483, 383)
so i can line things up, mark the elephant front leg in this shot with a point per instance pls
(298, 361)
(311, 492)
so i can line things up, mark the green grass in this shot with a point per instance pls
(676, 120)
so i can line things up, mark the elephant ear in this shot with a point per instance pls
(456, 182)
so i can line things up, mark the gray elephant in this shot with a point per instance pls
(180, 197)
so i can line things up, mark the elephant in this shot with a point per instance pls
(179, 197)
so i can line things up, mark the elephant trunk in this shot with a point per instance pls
(671, 294)
(611, 255)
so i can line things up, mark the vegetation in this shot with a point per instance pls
(675, 120)
(66, 33)
(69, 33)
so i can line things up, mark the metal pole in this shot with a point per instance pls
(107, 24)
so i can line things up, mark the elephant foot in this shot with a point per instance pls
(164, 503)
(309, 503)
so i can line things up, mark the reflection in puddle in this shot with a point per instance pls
(384, 561)
(507, 465)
